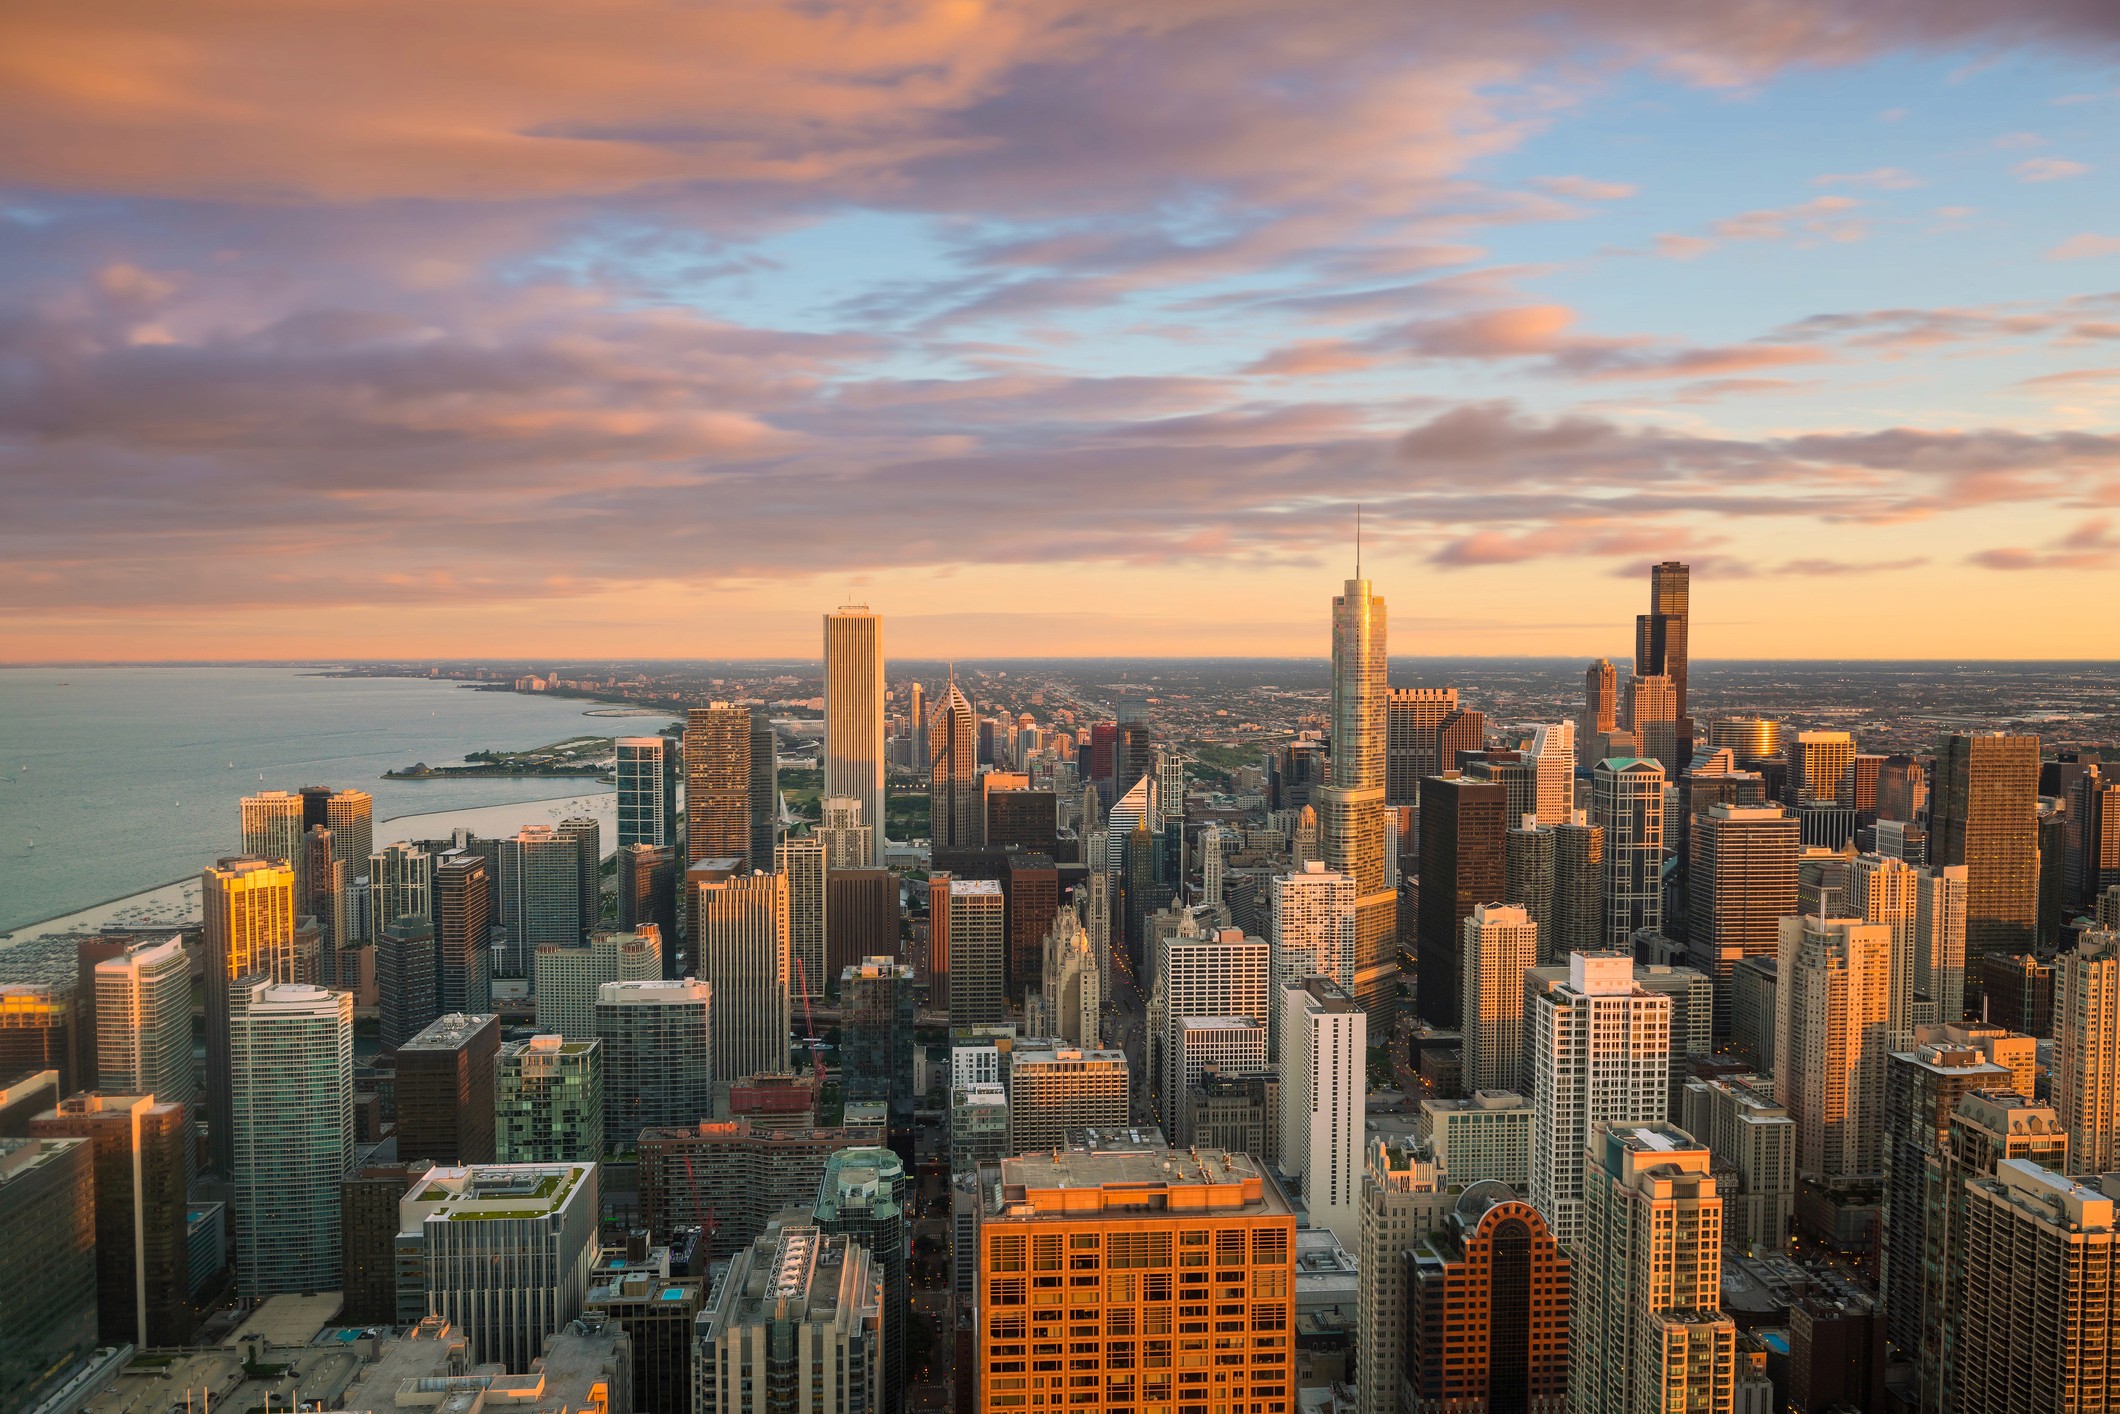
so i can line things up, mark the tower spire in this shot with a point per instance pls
(1358, 540)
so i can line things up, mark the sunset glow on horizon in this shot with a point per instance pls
(653, 330)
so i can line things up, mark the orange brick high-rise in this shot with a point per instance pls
(1138, 1280)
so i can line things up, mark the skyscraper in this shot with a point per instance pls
(1748, 738)
(1923, 1085)
(1073, 990)
(658, 1055)
(1214, 973)
(801, 859)
(249, 923)
(548, 1105)
(2040, 1266)
(407, 989)
(1404, 1195)
(1600, 714)
(863, 1197)
(1833, 1033)
(1143, 1207)
(1821, 768)
(1490, 1298)
(955, 816)
(1551, 751)
(1627, 800)
(1649, 1333)
(1884, 890)
(1600, 1053)
(1578, 887)
(743, 955)
(47, 1226)
(2087, 1047)
(1324, 1057)
(1463, 826)
(1500, 946)
(463, 912)
(1351, 809)
(976, 943)
(142, 1277)
(647, 891)
(1743, 882)
(876, 1047)
(400, 884)
(647, 777)
(272, 830)
(587, 833)
(507, 1250)
(541, 895)
(1660, 636)
(794, 1288)
(143, 1023)
(1411, 718)
(290, 1132)
(1985, 815)
(853, 717)
(1313, 930)
(1056, 1090)
(445, 1090)
(847, 837)
(718, 783)
(1652, 715)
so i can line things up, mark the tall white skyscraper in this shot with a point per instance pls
(1552, 752)
(2087, 1043)
(1627, 801)
(143, 1023)
(1500, 945)
(853, 717)
(273, 829)
(1313, 930)
(1324, 1060)
(743, 955)
(1832, 1038)
(803, 861)
(290, 1125)
(1600, 1052)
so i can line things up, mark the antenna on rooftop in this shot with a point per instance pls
(1358, 540)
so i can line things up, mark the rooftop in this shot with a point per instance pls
(448, 1033)
(1079, 1183)
(975, 886)
(490, 1192)
(1050, 1052)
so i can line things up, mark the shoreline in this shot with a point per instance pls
(182, 891)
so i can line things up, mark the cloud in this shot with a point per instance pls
(1673, 246)
(2091, 545)
(1585, 188)
(2049, 169)
(1820, 219)
(2087, 246)
(1878, 178)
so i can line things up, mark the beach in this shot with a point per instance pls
(177, 903)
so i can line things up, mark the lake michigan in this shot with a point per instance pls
(114, 780)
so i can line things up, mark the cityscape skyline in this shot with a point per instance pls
(1685, 977)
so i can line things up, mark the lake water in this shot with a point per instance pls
(128, 782)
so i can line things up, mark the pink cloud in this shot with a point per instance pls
(2049, 169)
(2087, 246)
(2091, 545)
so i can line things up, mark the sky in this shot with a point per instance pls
(634, 329)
